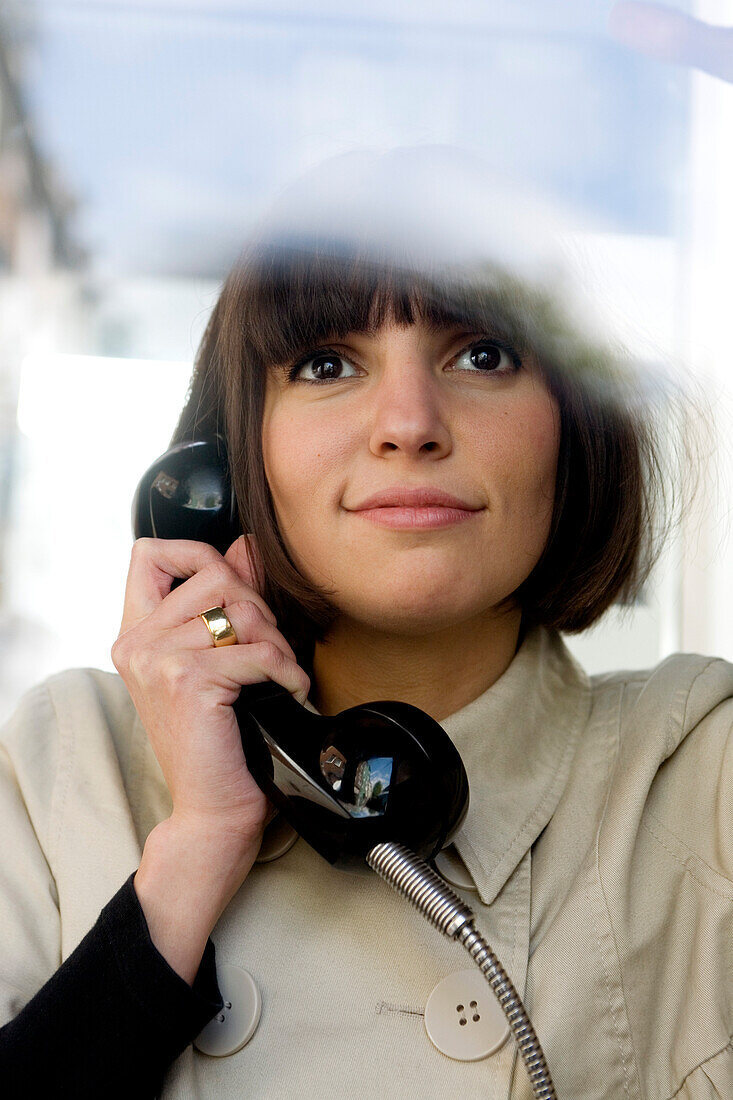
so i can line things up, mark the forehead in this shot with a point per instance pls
(294, 305)
(419, 330)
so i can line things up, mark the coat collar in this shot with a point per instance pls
(517, 742)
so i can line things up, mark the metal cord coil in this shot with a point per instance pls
(414, 879)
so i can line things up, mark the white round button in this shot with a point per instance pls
(463, 1018)
(450, 865)
(277, 839)
(237, 1022)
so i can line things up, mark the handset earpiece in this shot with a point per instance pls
(380, 785)
(187, 494)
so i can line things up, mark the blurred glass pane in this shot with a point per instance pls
(141, 141)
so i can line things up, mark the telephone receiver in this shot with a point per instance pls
(382, 771)
(379, 786)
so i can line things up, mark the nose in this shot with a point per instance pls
(408, 413)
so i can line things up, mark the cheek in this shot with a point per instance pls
(300, 457)
(524, 458)
(278, 447)
(541, 439)
(284, 461)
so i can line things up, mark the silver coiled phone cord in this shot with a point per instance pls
(414, 879)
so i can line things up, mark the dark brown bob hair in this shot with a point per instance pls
(289, 297)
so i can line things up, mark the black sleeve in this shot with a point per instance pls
(111, 1019)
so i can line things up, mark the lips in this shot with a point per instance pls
(414, 497)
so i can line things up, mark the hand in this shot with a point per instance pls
(183, 687)
(669, 35)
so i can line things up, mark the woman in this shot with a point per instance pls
(597, 852)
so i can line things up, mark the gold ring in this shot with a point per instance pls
(221, 630)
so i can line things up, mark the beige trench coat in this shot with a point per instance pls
(599, 837)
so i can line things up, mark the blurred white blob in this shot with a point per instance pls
(425, 204)
(442, 210)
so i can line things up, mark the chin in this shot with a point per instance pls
(415, 614)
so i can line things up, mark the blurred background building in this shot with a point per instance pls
(41, 298)
(140, 140)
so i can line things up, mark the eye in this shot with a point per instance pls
(489, 357)
(481, 357)
(327, 366)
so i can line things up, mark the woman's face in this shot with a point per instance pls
(410, 407)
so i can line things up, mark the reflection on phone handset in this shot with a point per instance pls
(379, 785)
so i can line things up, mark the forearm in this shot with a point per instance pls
(111, 1019)
(187, 876)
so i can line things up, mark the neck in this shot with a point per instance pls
(439, 672)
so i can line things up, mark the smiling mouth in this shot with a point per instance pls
(421, 517)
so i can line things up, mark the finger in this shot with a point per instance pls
(669, 35)
(253, 664)
(153, 565)
(250, 625)
(216, 585)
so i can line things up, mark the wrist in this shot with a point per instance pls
(188, 874)
(203, 857)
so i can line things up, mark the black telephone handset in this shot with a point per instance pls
(378, 786)
(382, 771)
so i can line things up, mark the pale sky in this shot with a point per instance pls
(175, 122)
